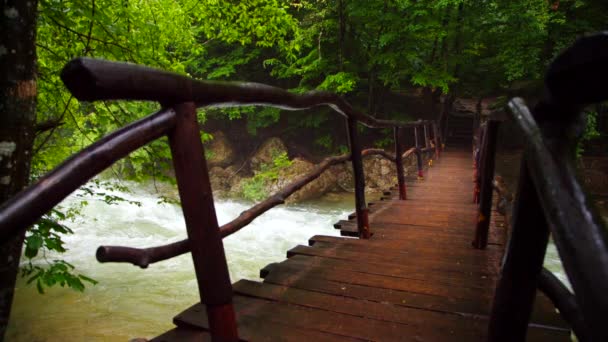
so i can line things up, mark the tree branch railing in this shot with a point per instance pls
(94, 80)
(551, 200)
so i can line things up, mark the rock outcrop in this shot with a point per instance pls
(267, 176)
(300, 167)
(219, 151)
(269, 150)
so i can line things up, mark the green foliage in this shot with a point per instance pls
(590, 133)
(387, 139)
(325, 141)
(263, 117)
(45, 237)
(255, 188)
(339, 83)
(58, 272)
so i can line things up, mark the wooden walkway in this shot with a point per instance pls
(416, 279)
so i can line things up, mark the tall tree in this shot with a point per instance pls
(17, 125)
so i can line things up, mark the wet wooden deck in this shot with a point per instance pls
(416, 279)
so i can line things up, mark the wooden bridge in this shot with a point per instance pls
(417, 278)
(413, 274)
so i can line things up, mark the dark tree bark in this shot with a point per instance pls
(341, 34)
(17, 120)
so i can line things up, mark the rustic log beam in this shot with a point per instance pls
(485, 183)
(205, 240)
(30, 204)
(358, 179)
(399, 165)
(95, 79)
(515, 292)
(577, 229)
(564, 301)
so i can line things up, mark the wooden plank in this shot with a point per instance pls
(446, 323)
(183, 335)
(458, 286)
(412, 285)
(259, 322)
(461, 238)
(310, 263)
(408, 247)
(311, 323)
(465, 327)
(311, 280)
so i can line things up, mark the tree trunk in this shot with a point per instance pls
(17, 119)
(341, 34)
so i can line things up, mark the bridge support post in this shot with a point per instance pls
(357, 160)
(485, 183)
(418, 154)
(204, 236)
(427, 141)
(437, 140)
(516, 289)
(399, 165)
(478, 157)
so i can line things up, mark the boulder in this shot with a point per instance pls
(380, 174)
(300, 167)
(269, 150)
(219, 150)
(223, 180)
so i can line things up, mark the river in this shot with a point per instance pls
(130, 302)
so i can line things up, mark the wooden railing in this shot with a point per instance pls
(93, 80)
(550, 200)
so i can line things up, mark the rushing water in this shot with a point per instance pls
(130, 302)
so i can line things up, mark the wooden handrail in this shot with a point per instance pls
(30, 204)
(95, 79)
(564, 301)
(551, 197)
(484, 183)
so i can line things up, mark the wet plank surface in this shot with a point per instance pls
(416, 279)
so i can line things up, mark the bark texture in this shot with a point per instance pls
(17, 119)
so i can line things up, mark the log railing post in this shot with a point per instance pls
(478, 162)
(516, 289)
(206, 245)
(427, 141)
(485, 181)
(355, 153)
(418, 154)
(399, 165)
(437, 140)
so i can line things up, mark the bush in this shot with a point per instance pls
(255, 188)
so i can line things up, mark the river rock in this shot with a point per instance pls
(380, 174)
(270, 149)
(220, 150)
(300, 167)
(223, 180)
